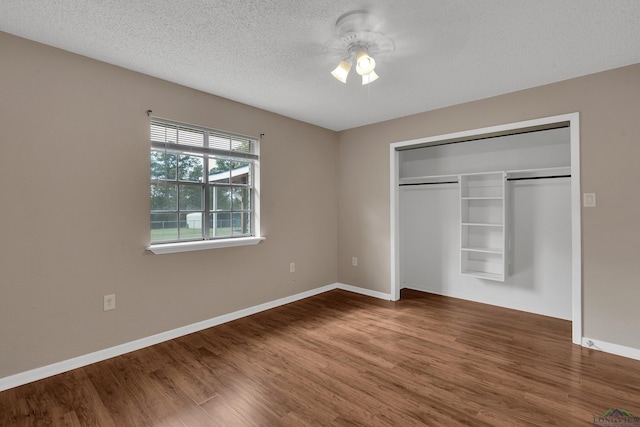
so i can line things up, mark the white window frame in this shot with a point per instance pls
(207, 242)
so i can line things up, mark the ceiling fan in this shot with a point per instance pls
(357, 41)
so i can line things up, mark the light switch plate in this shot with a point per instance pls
(589, 200)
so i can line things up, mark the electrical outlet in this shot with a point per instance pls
(292, 267)
(354, 261)
(109, 302)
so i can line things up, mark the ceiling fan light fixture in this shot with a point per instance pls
(358, 39)
(365, 64)
(342, 71)
(368, 78)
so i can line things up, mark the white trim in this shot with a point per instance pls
(473, 133)
(619, 350)
(576, 232)
(395, 223)
(576, 245)
(98, 356)
(200, 245)
(363, 291)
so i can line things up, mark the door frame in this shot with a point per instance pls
(573, 122)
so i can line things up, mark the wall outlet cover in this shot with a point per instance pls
(109, 302)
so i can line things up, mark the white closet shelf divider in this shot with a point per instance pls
(483, 225)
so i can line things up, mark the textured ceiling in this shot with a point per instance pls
(272, 54)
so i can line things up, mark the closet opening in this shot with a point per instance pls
(492, 215)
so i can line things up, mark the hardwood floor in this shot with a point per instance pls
(341, 359)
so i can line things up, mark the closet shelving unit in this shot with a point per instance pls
(483, 237)
(483, 216)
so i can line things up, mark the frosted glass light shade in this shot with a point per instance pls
(365, 64)
(368, 78)
(342, 71)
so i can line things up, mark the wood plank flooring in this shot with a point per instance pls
(341, 359)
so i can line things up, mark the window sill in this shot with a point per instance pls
(170, 248)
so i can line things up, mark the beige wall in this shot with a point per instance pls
(74, 155)
(608, 104)
(74, 216)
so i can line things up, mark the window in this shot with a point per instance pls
(202, 184)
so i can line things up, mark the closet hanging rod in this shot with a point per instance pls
(539, 177)
(508, 179)
(428, 183)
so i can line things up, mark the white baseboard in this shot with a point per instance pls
(620, 350)
(363, 291)
(98, 356)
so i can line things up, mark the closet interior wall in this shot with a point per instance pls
(538, 226)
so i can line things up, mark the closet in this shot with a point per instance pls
(489, 220)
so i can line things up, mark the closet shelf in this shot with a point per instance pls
(484, 275)
(481, 224)
(483, 250)
(482, 198)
